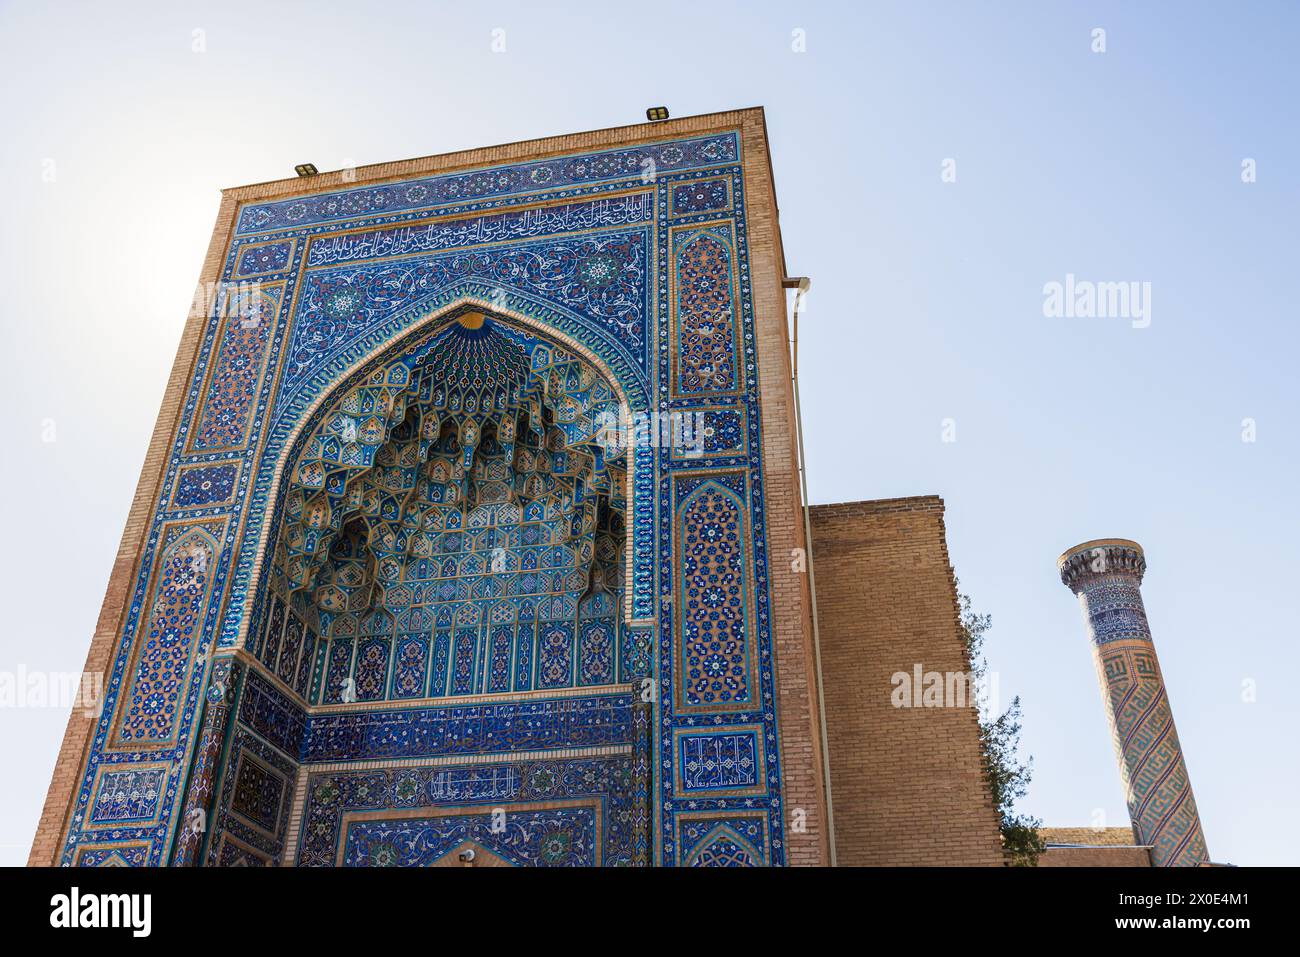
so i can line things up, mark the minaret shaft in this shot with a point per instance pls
(1107, 576)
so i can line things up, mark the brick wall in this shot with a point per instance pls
(1095, 857)
(1091, 836)
(907, 784)
(1092, 847)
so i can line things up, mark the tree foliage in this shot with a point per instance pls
(1008, 777)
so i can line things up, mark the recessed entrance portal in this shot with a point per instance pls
(455, 525)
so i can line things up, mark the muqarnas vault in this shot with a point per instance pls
(400, 586)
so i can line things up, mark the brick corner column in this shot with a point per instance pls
(1106, 574)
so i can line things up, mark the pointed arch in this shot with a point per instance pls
(715, 641)
(444, 442)
(705, 352)
(358, 401)
(724, 847)
(157, 676)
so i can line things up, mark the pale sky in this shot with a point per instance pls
(121, 123)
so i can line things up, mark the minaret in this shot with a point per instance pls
(1107, 576)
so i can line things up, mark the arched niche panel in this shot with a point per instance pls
(454, 521)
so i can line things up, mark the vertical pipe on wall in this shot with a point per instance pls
(802, 285)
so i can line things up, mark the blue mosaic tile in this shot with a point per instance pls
(205, 485)
(595, 276)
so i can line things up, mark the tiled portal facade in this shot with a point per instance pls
(467, 525)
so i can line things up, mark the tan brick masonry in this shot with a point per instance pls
(907, 782)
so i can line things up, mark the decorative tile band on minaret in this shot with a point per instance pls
(1106, 574)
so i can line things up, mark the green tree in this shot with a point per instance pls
(1007, 775)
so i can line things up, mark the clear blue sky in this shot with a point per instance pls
(927, 301)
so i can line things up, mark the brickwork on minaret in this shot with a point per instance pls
(1106, 574)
